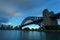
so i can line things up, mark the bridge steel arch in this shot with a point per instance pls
(32, 18)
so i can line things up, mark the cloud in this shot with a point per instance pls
(6, 15)
(7, 11)
(21, 4)
(3, 20)
(11, 7)
(7, 23)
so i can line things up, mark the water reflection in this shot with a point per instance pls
(32, 35)
(9, 35)
(28, 35)
(52, 35)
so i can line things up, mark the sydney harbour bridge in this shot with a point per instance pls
(49, 18)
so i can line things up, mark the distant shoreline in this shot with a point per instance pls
(41, 30)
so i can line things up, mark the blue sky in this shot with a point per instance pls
(14, 11)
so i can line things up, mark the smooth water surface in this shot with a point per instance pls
(28, 35)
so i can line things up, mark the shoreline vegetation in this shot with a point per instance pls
(41, 29)
(45, 29)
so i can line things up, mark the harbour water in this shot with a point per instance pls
(28, 35)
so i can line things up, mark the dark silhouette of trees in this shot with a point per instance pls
(27, 29)
(50, 27)
(16, 27)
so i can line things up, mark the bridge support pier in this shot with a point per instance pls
(47, 21)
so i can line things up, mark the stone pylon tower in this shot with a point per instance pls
(47, 20)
